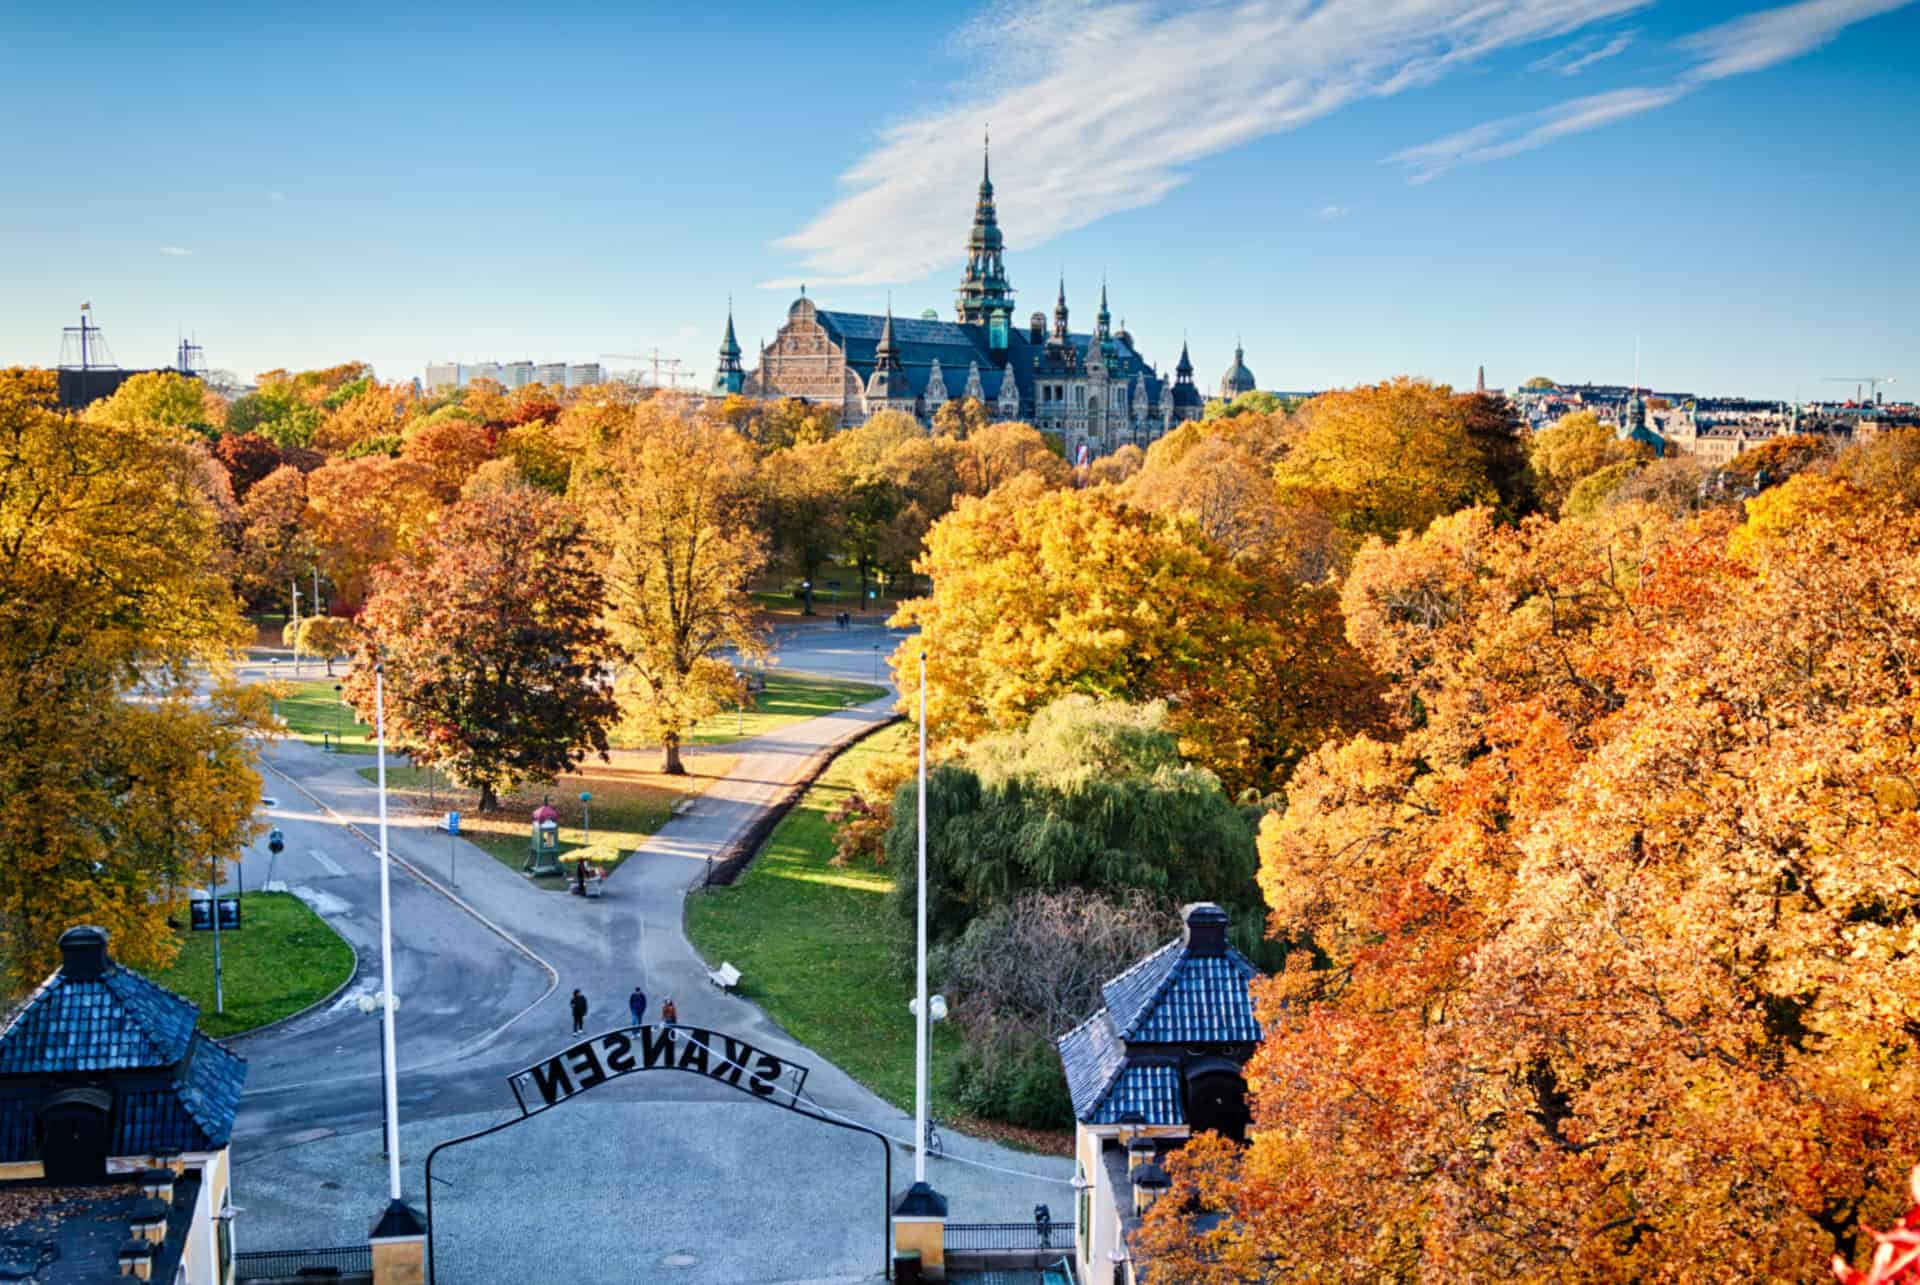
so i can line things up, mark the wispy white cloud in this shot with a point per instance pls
(1499, 139)
(177, 251)
(1761, 40)
(1582, 54)
(1747, 44)
(1328, 213)
(1098, 108)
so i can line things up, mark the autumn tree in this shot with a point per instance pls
(1610, 973)
(670, 499)
(1117, 467)
(323, 636)
(1573, 448)
(124, 777)
(249, 457)
(365, 512)
(1001, 452)
(1385, 458)
(450, 449)
(274, 544)
(960, 417)
(161, 400)
(802, 488)
(1038, 594)
(495, 658)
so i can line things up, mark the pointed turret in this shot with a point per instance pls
(888, 383)
(730, 377)
(1060, 313)
(984, 289)
(1184, 368)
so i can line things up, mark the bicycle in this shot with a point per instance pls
(936, 1146)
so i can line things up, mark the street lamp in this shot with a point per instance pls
(936, 1012)
(586, 818)
(373, 1005)
(340, 720)
(806, 596)
(273, 681)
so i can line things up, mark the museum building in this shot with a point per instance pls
(1090, 388)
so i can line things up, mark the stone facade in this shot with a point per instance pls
(1092, 390)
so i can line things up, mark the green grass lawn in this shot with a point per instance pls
(789, 698)
(313, 712)
(810, 941)
(283, 958)
(630, 802)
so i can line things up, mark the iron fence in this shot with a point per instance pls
(970, 1237)
(318, 1264)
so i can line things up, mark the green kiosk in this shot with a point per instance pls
(543, 844)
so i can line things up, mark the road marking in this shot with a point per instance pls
(327, 863)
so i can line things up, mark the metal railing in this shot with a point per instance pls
(971, 1237)
(317, 1264)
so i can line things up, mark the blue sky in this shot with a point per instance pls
(1359, 188)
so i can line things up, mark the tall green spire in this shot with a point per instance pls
(729, 378)
(984, 289)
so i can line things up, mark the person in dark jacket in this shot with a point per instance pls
(638, 1003)
(579, 1011)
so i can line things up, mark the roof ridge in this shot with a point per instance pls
(136, 982)
(1152, 1001)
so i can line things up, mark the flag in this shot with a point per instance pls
(1080, 460)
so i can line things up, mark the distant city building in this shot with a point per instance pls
(1238, 378)
(513, 374)
(1092, 390)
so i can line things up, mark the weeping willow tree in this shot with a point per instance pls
(1090, 794)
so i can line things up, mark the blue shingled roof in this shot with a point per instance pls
(921, 341)
(118, 1021)
(1177, 995)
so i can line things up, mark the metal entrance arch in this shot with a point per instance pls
(694, 1050)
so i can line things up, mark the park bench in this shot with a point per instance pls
(726, 977)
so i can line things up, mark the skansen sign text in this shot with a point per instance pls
(716, 1055)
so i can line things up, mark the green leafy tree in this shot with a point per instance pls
(494, 654)
(1090, 794)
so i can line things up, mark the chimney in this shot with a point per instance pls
(157, 1184)
(1149, 1181)
(83, 953)
(136, 1259)
(1206, 931)
(1140, 1151)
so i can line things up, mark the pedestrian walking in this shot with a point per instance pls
(579, 1011)
(668, 1013)
(638, 1003)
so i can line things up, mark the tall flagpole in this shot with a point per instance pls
(391, 1069)
(920, 960)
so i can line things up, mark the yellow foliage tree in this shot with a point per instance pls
(120, 785)
(1385, 458)
(1574, 448)
(1038, 594)
(669, 497)
(364, 512)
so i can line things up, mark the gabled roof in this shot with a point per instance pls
(1192, 991)
(180, 1090)
(118, 1021)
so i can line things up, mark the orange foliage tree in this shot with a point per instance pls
(1611, 970)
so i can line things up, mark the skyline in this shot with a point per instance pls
(1532, 185)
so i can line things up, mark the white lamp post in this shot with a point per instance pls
(392, 1089)
(371, 1004)
(920, 1006)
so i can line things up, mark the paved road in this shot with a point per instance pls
(475, 1008)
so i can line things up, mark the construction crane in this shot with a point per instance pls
(1869, 382)
(652, 355)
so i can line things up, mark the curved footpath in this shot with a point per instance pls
(643, 1173)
